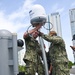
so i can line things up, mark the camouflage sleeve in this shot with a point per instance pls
(27, 40)
(55, 39)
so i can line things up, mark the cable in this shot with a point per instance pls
(28, 28)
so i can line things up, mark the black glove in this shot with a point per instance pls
(73, 47)
(40, 33)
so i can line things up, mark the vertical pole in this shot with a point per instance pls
(44, 56)
(49, 22)
(49, 30)
(15, 54)
(74, 56)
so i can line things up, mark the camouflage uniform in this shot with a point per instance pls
(58, 55)
(31, 57)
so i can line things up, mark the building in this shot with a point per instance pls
(72, 23)
(56, 23)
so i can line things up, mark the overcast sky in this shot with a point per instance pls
(14, 16)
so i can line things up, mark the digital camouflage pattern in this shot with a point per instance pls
(32, 57)
(58, 56)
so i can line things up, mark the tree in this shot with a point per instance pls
(21, 68)
(70, 64)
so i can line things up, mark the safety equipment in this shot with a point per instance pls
(37, 15)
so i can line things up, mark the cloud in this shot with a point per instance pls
(60, 10)
(12, 22)
(5, 23)
(73, 4)
(23, 11)
(56, 8)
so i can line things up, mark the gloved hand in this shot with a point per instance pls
(40, 33)
(73, 47)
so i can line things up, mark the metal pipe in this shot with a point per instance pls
(44, 55)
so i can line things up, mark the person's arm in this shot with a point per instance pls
(50, 70)
(31, 31)
(49, 38)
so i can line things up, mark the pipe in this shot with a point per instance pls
(44, 56)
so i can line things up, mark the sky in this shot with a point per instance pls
(14, 16)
